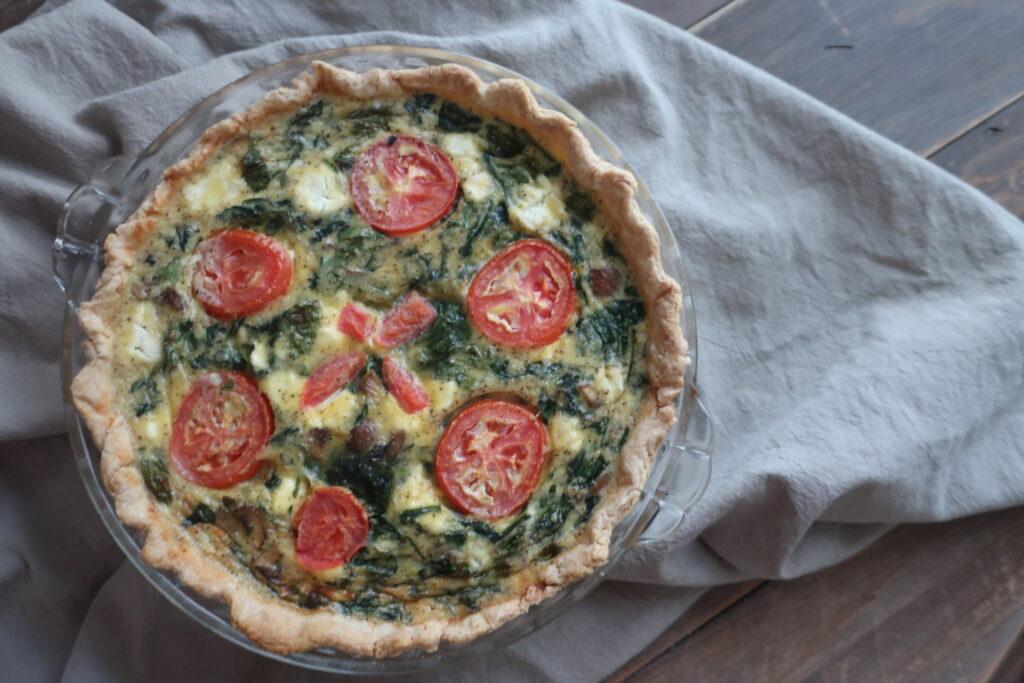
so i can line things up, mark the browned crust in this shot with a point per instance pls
(272, 623)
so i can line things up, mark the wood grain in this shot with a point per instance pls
(926, 602)
(918, 71)
(709, 606)
(991, 157)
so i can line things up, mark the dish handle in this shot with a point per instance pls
(685, 478)
(84, 220)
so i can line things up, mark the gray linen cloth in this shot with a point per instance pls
(861, 313)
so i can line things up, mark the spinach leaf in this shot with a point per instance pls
(282, 436)
(255, 171)
(180, 343)
(471, 595)
(218, 347)
(145, 395)
(488, 218)
(169, 272)
(296, 326)
(503, 140)
(154, 475)
(419, 102)
(544, 369)
(271, 214)
(609, 330)
(373, 604)
(444, 349)
(370, 479)
(581, 205)
(509, 173)
(299, 124)
(365, 122)
(201, 514)
(569, 399)
(377, 564)
(572, 242)
(454, 119)
(410, 516)
(583, 470)
(302, 119)
(456, 539)
(589, 503)
(444, 566)
(344, 159)
(352, 241)
(183, 233)
(552, 511)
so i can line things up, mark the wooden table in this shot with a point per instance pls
(928, 602)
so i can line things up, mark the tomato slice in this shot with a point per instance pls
(401, 184)
(330, 378)
(490, 458)
(222, 426)
(404, 386)
(357, 321)
(240, 272)
(410, 317)
(330, 527)
(524, 296)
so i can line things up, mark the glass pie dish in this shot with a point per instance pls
(679, 474)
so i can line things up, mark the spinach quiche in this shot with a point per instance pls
(382, 361)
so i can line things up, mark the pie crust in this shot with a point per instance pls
(280, 626)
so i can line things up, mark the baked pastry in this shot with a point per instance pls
(382, 361)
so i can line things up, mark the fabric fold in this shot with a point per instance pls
(860, 312)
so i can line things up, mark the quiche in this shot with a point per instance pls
(382, 361)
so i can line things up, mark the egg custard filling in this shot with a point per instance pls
(379, 357)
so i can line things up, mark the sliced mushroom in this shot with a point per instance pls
(397, 594)
(389, 450)
(363, 436)
(371, 386)
(604, 281)
(590, 395)
(315, 599)
(231, 524)
(255, 524)
(246, 525)
(318, 438)
(334, 593)
(395, 445)
(172, 298)
(268, 564)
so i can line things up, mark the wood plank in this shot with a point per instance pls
(1008, 666)
(926, 602)
(682, 14)
(709, 606)
(991, 157)
(918, 71)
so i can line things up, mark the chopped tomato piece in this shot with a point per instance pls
(524, 296)
(490, 457)
(357, 321)
(221, 428)
(410, 317)
(330, 378)
(240, 272)
(330, 527)
(404, 386)
(401, 184)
